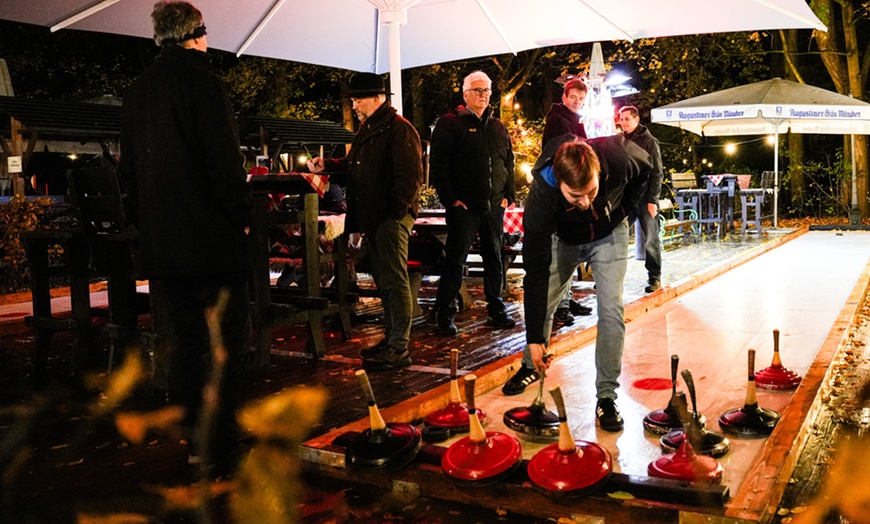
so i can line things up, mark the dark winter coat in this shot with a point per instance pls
(561, 121)
(625, 168)
(183, 171)
(642, 137)
(472, 160)
(384, 170)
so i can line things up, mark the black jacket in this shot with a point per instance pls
(183, 171)
(472, 160)
(642, 137)
(625, 168)
(562, 121)
(384, 170)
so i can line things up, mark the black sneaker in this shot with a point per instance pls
(607, 415)
(389, 358)
(517, 383)
(578, 310)
(446, 326)
(374, 350)
(654, 285)
(563, 317)
(501, 320)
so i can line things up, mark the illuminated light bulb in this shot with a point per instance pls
(303, 159)
(771, 139)
(730, 148)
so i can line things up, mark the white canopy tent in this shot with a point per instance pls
(364, 35)
(770, 107)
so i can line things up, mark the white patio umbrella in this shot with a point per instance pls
(769, 107)
(364, 35)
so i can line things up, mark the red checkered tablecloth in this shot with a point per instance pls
(716, 179)
(513, 220)
(318, 182)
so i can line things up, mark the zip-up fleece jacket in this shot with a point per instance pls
(472, 160)
(642, 137)
(625, 168)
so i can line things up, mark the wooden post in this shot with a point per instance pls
(17, 150)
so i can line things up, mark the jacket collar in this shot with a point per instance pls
(194, 56)
(380, 116)
(462, 110)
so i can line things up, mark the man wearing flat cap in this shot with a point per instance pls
(384, 170)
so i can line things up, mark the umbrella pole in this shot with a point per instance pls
(395, 66)
(775, 174)
(854, 213)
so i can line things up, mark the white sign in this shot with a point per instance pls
(14, 164)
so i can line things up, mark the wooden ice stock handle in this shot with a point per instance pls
(470, 379)
(751, 398)
(455, 398)
(777, 361)
(375, 418)
(476, 433)
(566, 440)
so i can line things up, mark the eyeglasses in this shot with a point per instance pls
(481, 90)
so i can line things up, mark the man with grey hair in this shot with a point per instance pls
(472, 168)
(187, 196)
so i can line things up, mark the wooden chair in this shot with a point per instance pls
(752, 202)
(97, 199)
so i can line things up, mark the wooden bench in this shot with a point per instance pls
(675, 223)
(683, 181)
(752, 199)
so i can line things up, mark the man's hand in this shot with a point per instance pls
(540, 358)
(316, 165)
(653, 209)
(504, 203)
(459, 203)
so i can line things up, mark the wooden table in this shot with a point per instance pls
(37, 245)
(713, 204)
(274, 306)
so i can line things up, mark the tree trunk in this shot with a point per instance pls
(856, 89)
(515, 71)
(846, 72)
(797, 180)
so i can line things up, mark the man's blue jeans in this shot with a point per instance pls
(388, 248)
(609, 259)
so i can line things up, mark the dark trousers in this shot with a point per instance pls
(388, 249)
(462, 226)
(651, 244)
(187, 299)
